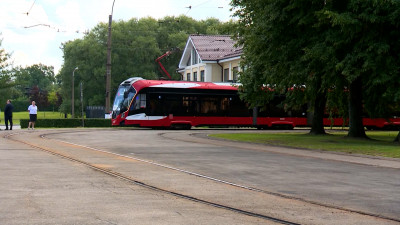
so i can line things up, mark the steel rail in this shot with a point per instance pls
(151, 187)
(231, 183)
(226, 182)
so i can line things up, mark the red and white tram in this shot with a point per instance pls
(183, 104)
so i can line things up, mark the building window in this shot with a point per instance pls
(194, 76)
(235, 71)
(188, 76)
(194, 57)
(202, 75)
(226, 75)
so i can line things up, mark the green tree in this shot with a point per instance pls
(4, 60)
(136, 44)
(325, 45)
(6, 81)
(38, 75)
(39, 96)
(282, 50)
(132, 55)
(54, 99)
(365, 35)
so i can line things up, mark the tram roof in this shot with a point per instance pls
(140, 84)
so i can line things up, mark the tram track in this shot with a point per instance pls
(249, 188)
(279, 194)
(177, 194)
(151, 187)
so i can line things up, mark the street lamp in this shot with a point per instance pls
(83, 119)
(108, 65)
(72, 98)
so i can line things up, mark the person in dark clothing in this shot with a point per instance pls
(8, 112)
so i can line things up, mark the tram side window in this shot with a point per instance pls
(238, 107)
(190, 105)
(225, 105)
(396, 114)
(299, 111)
(215, 106)
(155, 105)
(138, 105)
(277, 108)
(163, 104)
(209, 106)
(173, 104)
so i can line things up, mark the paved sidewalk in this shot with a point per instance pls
(39, 188)
(15, 127)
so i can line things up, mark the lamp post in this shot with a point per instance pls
(108, 65)
(83, 120)
(72, 94)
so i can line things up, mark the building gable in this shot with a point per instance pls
(187, 53)
(209, 48)
(212, 58)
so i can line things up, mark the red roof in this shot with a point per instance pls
(215, 47)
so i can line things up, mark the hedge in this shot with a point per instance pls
(67, 123)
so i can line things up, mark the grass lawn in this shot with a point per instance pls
(41, 115)
(381, 143)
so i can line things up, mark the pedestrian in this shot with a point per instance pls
(8, 113)
(32, 109)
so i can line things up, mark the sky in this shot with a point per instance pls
(33, 30)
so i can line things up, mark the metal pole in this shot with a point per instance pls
(108, 78)
(73, 95)
(108, 65)
(83, 121)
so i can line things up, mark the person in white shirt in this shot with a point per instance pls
(32, 109)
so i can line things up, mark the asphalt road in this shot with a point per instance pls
(351, 185)
(324, 189)
(40, 188)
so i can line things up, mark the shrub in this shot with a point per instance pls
(67, 123)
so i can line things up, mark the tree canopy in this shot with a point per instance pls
(5, 76)
(38, 75)
(21, 84)
(330, 50)
(29, 83)
(135, 46)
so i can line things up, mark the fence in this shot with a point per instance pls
(95, 112)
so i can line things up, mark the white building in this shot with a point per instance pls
(210, 58)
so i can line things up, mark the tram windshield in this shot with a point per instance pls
(122, 99)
